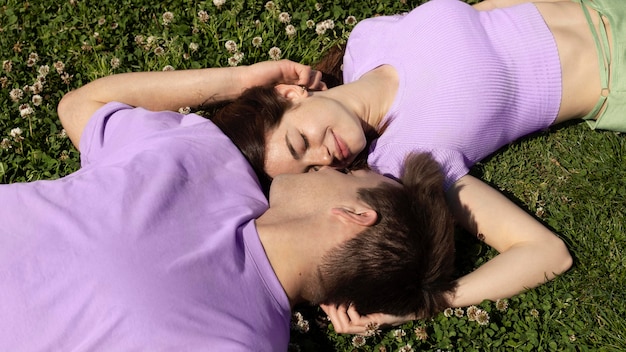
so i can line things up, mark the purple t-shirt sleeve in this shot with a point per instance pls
(116, 124)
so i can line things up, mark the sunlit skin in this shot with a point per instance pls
(326, 128)
(316, 132)
(320, 189)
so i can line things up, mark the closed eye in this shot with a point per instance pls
(306, 141)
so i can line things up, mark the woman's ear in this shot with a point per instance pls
(363, 217)
(291, 91)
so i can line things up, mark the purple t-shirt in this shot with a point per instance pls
(150, 246)
(470, 81)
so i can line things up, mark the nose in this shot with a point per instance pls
(319, 156)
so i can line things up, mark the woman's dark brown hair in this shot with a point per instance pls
(247, 121)
(330, 65)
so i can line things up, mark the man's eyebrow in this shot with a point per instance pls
(291, 149)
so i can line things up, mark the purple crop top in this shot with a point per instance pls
(470, 81)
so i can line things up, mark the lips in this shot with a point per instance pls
(342, 149)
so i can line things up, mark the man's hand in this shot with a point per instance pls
(346, 320)
(282, 71)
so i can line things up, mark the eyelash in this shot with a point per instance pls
(306, 141)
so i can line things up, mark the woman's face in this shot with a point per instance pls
(316, 131)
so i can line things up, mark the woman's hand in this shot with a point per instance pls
(281, 72)
(346, 320)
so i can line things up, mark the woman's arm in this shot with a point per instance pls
(530, 254)
(171, 90)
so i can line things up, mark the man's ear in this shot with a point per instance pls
(291, 91)
(362, 217)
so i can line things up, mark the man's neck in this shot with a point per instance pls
(286, 259)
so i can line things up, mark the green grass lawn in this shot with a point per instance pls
(571, 178)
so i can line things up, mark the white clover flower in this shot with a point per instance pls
(320, 28)
(318, 6)
(231, 46)
(275, 53)
(420, 333)
(239, 56)
(290, 30)
(64, 155)
(472, 312)
(219, 3)
(398, 334)
(16, 94)
(351, 20)
(372, 329)
(257, 41)
(303, 326)
(329, 24)
(270, 6)
(37, 100)
(66, 78)
(168, 68)
(59, 67)
(5, 144)
(16, 132)
(406, 348)
(115, 63)
(310, 23)
(26, 110)
(502, 305)
(448, 312)
(534, 313)
(139, 39)
(37, 87)
(159, 51)
(44, 70)
(31, 62)
(284, 17)
(114, 25)
(102, 21)
(482, 317)
(232, 61)
(185, 110)
(33, 56)
(459, 313)
(4, 82)
(7, 65)
(358, 341)
(297, 316)
(194, 46)
(167, 17)
(63, 134)
(203, 16)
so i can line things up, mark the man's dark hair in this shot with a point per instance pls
(404, 264)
